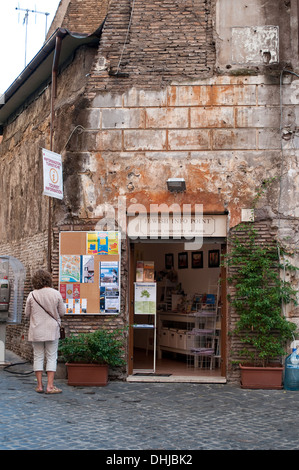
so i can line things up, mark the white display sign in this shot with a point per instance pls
(145, 298)
(52, 168)
(172, 226)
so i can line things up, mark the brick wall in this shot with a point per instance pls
(85, 17)
(156, 41)
(266, 234)
(32, 253)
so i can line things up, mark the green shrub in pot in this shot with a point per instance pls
(260, 291)
(98, 347)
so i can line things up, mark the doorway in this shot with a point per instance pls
(184, 335)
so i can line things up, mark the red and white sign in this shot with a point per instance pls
(52, 167)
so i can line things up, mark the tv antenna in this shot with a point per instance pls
(25, 22)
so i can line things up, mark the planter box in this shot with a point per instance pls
(90, 375)
(267, 378)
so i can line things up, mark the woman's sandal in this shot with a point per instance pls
(54, 390)
(38, 390)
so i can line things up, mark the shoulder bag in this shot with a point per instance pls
(62, 331)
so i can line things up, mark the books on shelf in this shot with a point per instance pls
(145, 271)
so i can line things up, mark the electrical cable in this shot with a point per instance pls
(82, 129)
(17, 364)
(125, 43)
(281, 174)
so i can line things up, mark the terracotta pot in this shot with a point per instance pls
(89, 375)
(267, 378)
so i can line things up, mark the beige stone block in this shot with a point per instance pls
(230, 95)
(214, 95)
(94, 118)
(189, 139)
(120, 118)
(167, 117)
(269, 139)
(135, 98)
(268, 95)
(188, 95)
(212, 117)
(168, 156)
(290, 93)
(258, 117)
(109, 140)
(107, 100)
(234, 139)
(144, 139)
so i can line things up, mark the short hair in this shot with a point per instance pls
(41, 279)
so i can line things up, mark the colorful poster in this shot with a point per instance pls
(70, 268)
(62, 289)
(102, 243)
(109, 300)
(139, 271)
(83, 305)
(70, 291)
(102, 299)
(148, 271)
(76, 291)
(109, 276)
(113, 243)
(69, 305)
(87, 269)
(145, 298)
(76, 306)
(112, 305)
(109, 287)
(97, 243)
(92, 243)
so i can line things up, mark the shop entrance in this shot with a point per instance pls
(181, 336)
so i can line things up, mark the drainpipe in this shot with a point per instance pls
(54, 84)
(53, 96)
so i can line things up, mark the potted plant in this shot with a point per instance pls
(89, 355)
(259, 292)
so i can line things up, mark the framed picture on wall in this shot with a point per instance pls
(197, 259)
(214, 258)
(182, 260)
(168, 261)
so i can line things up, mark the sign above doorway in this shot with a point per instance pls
(172, 226)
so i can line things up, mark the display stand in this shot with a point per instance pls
(144, 325)
(202, 351)
(193, 334)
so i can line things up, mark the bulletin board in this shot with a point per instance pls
(89, 272)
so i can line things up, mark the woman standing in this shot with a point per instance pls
(44, 307)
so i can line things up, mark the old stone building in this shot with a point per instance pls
(132, 94)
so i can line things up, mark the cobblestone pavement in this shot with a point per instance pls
(142, 416)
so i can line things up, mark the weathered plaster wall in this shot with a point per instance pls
(23, 208)
(222, 135)
(255, 34)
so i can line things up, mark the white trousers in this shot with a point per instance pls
(45, 350)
